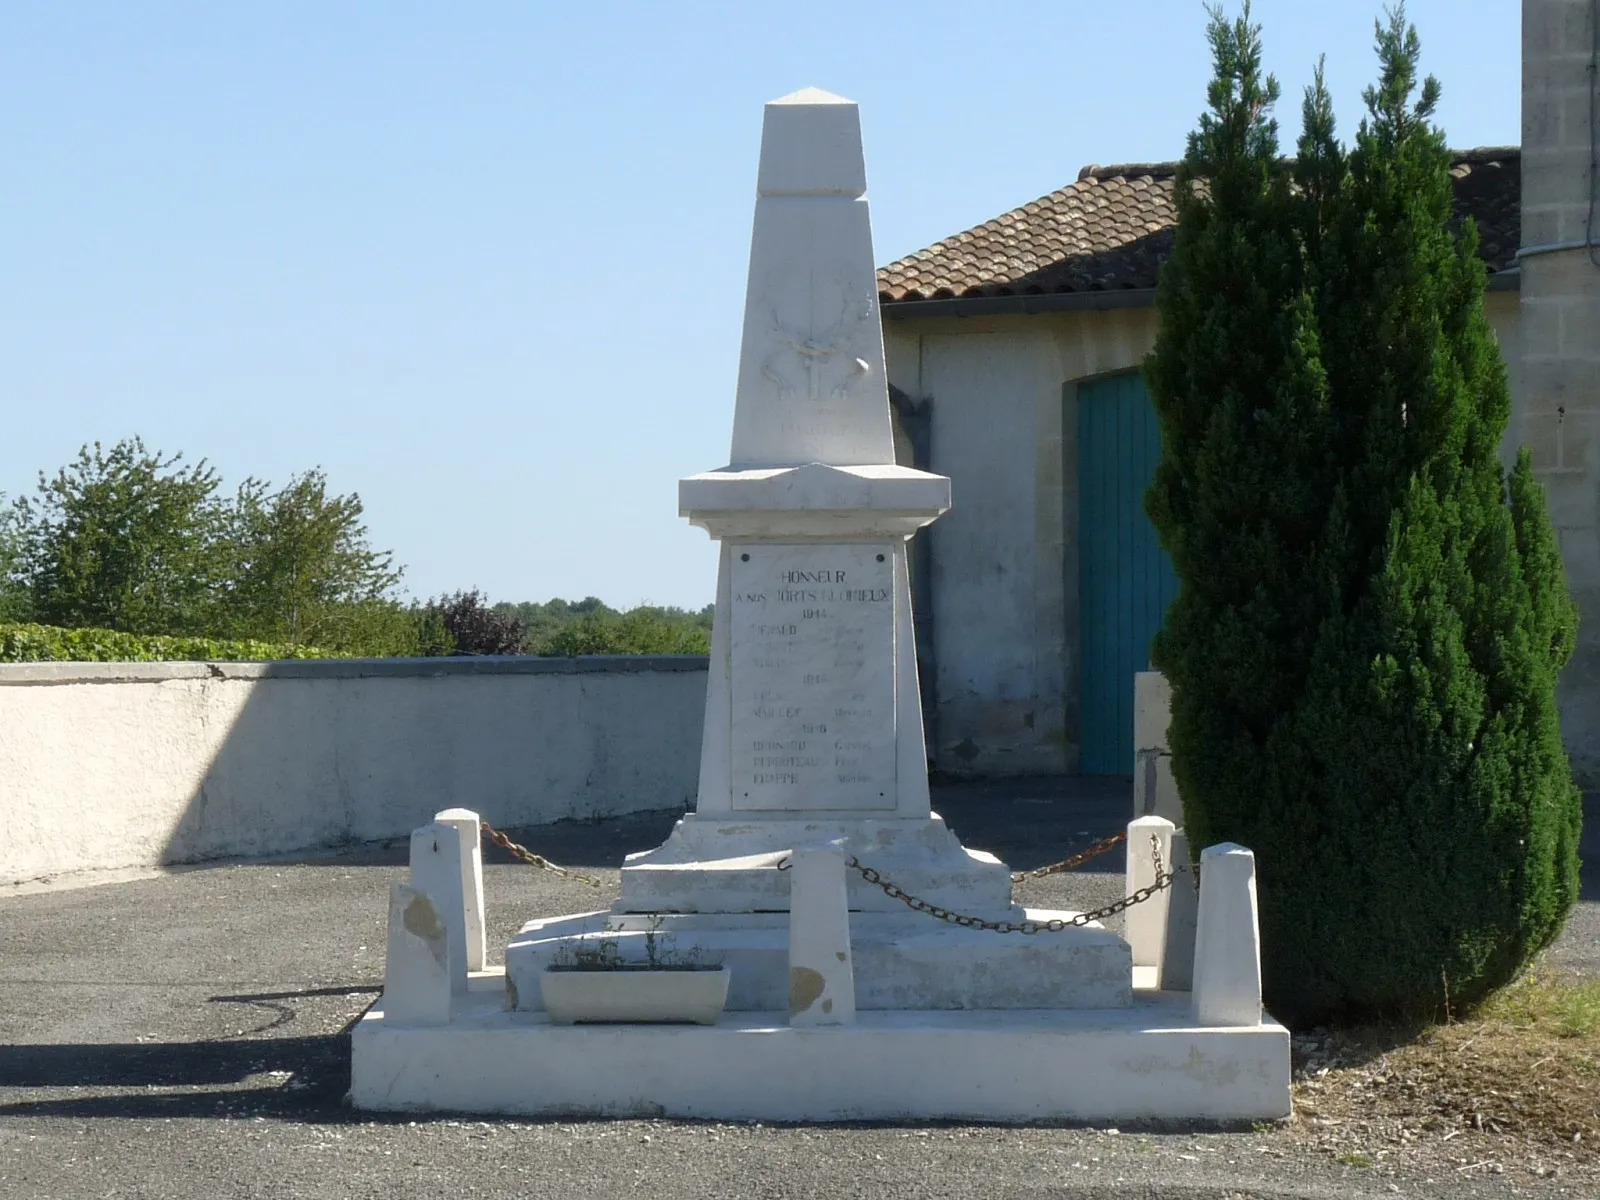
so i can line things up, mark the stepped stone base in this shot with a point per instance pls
(726, 864)
(1148, 1061)
(903, 960)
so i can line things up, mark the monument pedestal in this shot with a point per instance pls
(813, 748)
(726, 864)
(903, 961)
(1149, 1061)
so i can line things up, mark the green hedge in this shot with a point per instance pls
(50, 643)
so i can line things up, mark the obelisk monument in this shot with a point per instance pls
(813, 716)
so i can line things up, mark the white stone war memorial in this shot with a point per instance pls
(796, 984)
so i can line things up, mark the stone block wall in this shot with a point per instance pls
(1559, 377)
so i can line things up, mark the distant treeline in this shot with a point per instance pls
(565, 627)
(127, 552)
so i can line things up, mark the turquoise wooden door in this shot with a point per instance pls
(1125, 580)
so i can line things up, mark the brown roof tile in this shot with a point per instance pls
(1111, 230)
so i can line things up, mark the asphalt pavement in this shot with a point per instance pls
(185, 1036)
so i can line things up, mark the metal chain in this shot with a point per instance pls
(1073, 863)
(1163, 880)
(533, 860)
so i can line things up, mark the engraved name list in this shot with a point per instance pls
(813, 677)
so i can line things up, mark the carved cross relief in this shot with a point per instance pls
(819, 353)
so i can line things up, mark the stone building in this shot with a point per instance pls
(1558, 384)
(1013, 352)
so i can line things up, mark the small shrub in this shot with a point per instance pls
(50, 643)
(471, 626)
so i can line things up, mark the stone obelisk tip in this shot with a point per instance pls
(812, 387)
(811, 146)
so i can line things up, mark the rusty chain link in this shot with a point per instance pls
(1163, 880)
(894, 891)
(1072, 863)
(516, 850)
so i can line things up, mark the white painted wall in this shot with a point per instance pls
(123, 765)
(1005, 558)
(1005, 589)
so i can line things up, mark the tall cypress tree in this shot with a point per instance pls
(1371, 618)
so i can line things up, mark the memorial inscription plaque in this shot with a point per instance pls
(812, 680)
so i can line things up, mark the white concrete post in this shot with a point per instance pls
(822, 988)
(436, 873)
(1227, 951)
(1147, 922)
(466, 823)
(1155, 792)
(416, 972)
(1183, 906)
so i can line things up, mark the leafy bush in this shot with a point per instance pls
(299, 569)
(471, 626)
(1371, 615)
(123, 538)
(131, 539)
(49, 643)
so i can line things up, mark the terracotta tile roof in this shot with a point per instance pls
(1111, 230)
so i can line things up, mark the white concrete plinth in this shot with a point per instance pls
(1227, 948)
(1183, 911)
(437, 861)
(466, 823)
(693, 997)
(822, 986)
(416, 969)
(901, 960)
(1148, 1061)
(1147, 921)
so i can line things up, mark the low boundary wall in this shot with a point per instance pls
(107, 766)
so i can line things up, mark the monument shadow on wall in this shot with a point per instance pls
(323, 753)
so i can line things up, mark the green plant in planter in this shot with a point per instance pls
(605, 954)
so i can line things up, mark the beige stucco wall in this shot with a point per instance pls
(1004, 579)
(1005, 563)
(128, 765)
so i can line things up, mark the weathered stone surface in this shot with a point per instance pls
(813, 677)
(436, 872)
(713, 863)
(416, 971)
(900, 960)
(1147, 1061)
(822, 988)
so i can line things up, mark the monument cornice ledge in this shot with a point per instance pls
(844, 495)
(806, 525)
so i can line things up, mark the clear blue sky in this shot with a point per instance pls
(484, 263)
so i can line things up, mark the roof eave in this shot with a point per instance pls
(1027, 306)
(1509, 280)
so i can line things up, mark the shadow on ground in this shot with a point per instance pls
(293, 1077)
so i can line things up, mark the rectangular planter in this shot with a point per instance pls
(692, 997)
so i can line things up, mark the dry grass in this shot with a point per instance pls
(1520, 1077)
